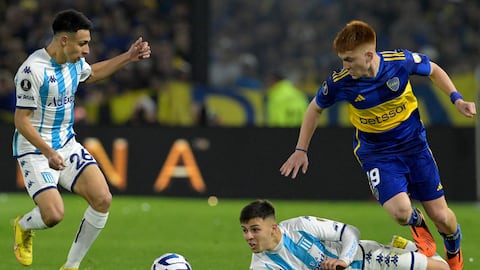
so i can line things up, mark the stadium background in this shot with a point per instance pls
(205, 84)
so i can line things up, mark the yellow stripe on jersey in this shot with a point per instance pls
(338, 76)
(393, 59)
(393, 56)
(384, 116)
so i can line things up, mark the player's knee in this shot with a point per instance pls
(402, 216)
(53, 217)
(102, 203)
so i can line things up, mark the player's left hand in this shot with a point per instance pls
(466, 108)
(139, 50)
(298, 161)
(334, 264)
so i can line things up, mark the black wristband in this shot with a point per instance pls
(301, 149)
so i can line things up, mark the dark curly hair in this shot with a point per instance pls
(71, 21)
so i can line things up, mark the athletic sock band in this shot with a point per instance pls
(452, 241)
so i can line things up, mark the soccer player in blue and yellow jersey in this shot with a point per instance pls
(44, 140)
(390, 141)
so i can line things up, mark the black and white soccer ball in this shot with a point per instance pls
(171, 261)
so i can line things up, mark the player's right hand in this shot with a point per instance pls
(466, 108)
(334, 264)
(297, 161)
(55, 161)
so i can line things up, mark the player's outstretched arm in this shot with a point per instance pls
(139, 50)
(441, 79)
(298, 160)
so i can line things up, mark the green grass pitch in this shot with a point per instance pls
(141, 228)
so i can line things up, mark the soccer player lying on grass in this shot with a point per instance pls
(316, 243)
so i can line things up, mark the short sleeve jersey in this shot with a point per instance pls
(306, 243)
(384, 109)
(48, 88)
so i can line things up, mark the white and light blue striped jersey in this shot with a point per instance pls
(48, 89)
(306, 243)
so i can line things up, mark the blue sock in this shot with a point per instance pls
(452, 241)
(415, 219)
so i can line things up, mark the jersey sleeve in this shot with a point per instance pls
(418, 63)
(325, 95)
(28, 80)
(334, 231)
(86, 70)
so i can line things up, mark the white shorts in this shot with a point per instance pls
(38, 176)
(381, 257)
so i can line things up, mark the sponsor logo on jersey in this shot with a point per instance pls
(384, 117)
(61, 101)
(27, 97)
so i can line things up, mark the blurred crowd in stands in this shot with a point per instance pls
(249, 41)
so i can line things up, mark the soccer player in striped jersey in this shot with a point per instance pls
(44, 140)
(317, 243)
(390, 141)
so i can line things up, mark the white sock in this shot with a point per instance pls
(90, 227)
(32, 220)
(411, 246)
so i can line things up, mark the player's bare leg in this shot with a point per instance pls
(446, 222)
(92, 186)
(48, 212)
(400, 209)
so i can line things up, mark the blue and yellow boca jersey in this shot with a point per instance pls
(384, 109)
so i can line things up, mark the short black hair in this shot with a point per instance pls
(71, 21)
(257, 209)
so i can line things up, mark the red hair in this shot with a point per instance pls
(354, 34)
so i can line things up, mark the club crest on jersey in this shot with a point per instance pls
(26, 84)
(324, 88)
(394, 84)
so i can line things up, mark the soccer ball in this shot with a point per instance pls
(171, 261)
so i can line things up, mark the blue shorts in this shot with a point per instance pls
(416, 174)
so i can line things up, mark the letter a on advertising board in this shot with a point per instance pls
(180, 151)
